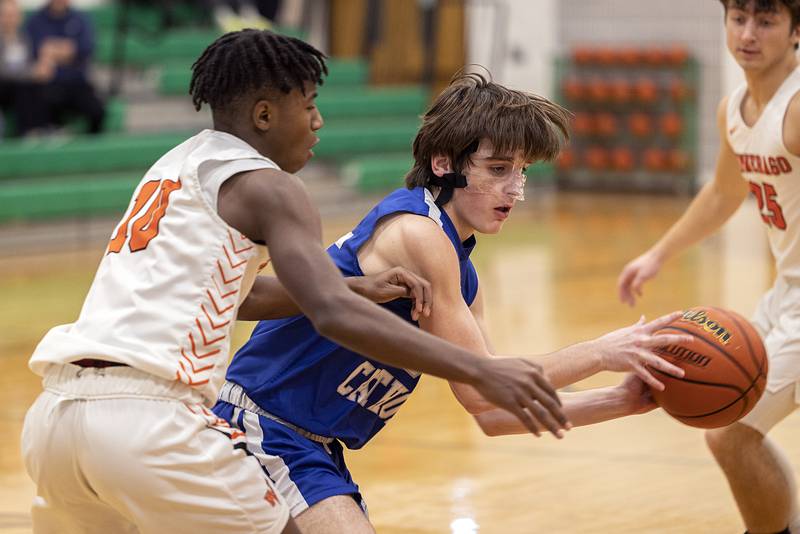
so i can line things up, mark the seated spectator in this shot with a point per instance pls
(21, 78)
(59, 32)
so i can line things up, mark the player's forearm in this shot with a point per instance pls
(561, 368)
(582, 408)
(268, 299)
(705, 215)
(570, 364)
(375, 332)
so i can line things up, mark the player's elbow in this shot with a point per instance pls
(327, 317)
(487, 426)
(477, 406)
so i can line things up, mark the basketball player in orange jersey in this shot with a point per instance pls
(759, 127)
(122, 439)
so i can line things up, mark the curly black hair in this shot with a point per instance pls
(248, 60)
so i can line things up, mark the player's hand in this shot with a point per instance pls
(636, 395)
(519, 386)
(631, 349)
(395, 283)
(635, 274)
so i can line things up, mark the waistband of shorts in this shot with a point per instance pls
(114, 382)
(235, 394)
(786, 282)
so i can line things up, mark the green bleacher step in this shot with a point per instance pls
(174, 78)
(340, 139)
(372, 102)
(114, 152)
(384, 172)
(143, 49)
(83, 154)
(105, 17)
(78, 197)
(377, 173)
(156, 47)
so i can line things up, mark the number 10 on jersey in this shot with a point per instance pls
(145, 227)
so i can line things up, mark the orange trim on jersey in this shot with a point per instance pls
(194, 369)
(219, 313)
(211, 322)
(230, 261)
(221, 294)
(235, 250)
(194, 349)
(189, 380)
(214, 302)
(206, 341)
(222, 274)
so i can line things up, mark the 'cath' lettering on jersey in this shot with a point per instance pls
(375, 389)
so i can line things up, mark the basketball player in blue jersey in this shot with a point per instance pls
(759, 128)
(300, 397)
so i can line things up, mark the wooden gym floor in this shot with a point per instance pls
(549, 280)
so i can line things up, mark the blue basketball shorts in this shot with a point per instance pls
(303, 471)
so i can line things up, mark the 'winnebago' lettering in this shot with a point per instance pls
(700, 318)
(769, 165)
(685, 355)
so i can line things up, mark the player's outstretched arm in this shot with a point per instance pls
(713, 205)
(631, 397)
(268, 299)
(273, 207)
(628, 349)
(396, 242)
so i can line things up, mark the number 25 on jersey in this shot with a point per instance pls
(768, 206)
(153, 195)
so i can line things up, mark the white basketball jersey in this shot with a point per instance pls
(165, 295)
(772, 171)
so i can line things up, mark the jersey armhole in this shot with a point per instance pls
(781, 138)
(211, 174)
(382, 219)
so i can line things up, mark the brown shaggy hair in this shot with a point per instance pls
(472, 108)
(769, 6)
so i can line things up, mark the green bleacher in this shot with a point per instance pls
(368, 130)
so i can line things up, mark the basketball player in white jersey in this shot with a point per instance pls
(759, 126)
(122, 439)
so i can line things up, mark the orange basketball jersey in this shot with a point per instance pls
(165, 295)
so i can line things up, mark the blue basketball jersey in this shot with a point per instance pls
(292, 372)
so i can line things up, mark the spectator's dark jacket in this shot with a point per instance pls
(72, 25)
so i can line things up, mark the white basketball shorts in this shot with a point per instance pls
(777, 320)
(119, 450)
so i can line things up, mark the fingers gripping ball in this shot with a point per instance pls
(725, 364)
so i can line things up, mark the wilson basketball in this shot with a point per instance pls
(725, 364)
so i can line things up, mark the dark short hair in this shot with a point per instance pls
(768, 6)
(472, 108)
(250, 60)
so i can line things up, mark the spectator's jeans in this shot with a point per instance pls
(24, 101)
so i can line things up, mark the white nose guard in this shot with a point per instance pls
(508, 185)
